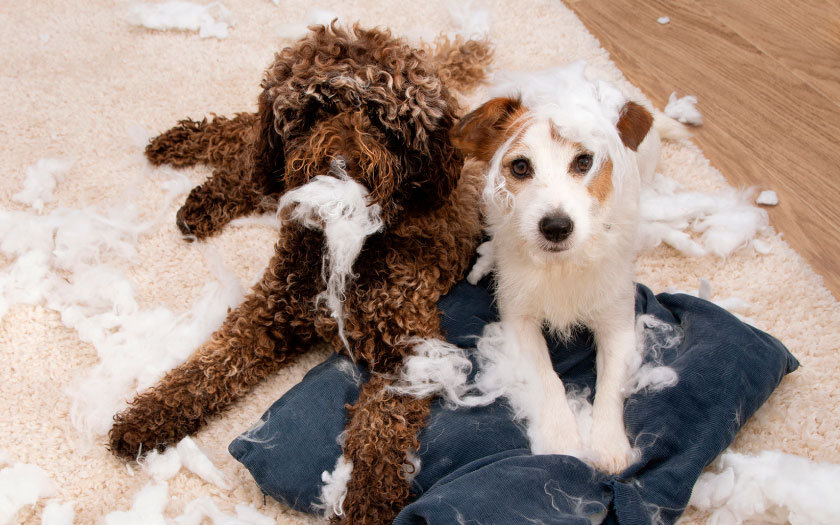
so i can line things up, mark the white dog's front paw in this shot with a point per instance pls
(483, 264)
(555, 436)
(612, 449)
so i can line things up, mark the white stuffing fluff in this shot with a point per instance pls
(761, 247)
(684, 109)
(771, 487)
(162, 467)
(22, 484)
(137, 347)
(435, 368)
(315, 16)
(768, 198)
(211, 20)
(57, 513)
(503, 373)
(663, 20)
(338, 206)
(198, 463)
(147, 508)
(652, 337)
(40, 182)
(470, 17)
(438, 368)
(59, 260)
(334, 489)
(652, 377)
(726, 220)
(484, 264)
(205, 507)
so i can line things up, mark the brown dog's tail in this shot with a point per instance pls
(220, 142)
(462, 64)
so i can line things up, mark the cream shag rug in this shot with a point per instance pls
(79, 83)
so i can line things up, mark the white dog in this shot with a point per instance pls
(565, 156)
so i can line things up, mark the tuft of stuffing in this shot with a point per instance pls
(338, 206)
(199, 464)
(57, 261)
(663, 20)
(502, 373)
(471, 18)
(41, 180)
(147, 508)
(684, 109)
(652, 337)
(136, 347)
(211, 20)
(436, 368)
(22, 484)
(761, 247)
(56, 513)
(334, 490)
(771, 487)
(161, 467)
(768, 198)
(726, 220)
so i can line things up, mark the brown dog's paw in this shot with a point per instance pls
(194, 222)
(131, 437)
(179, 146)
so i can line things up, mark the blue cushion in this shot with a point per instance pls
(476, 466)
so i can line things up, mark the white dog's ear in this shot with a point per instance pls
(634, 124)
(481, 132)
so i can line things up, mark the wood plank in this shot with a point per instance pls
(763, 125)
(804, 35)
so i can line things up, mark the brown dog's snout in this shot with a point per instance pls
(556, 227)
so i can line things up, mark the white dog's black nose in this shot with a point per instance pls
(556, 227)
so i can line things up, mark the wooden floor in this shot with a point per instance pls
(767, 76)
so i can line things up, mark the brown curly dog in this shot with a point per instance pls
(383, 111)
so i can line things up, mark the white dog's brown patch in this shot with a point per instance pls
(601, 185)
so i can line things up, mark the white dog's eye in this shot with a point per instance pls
(520, 168)
(582, 164)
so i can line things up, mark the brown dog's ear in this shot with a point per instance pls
(481, 132)
(269, 159)
(433, 172)
(634, 124)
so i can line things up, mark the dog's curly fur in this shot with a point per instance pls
(384, 108)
